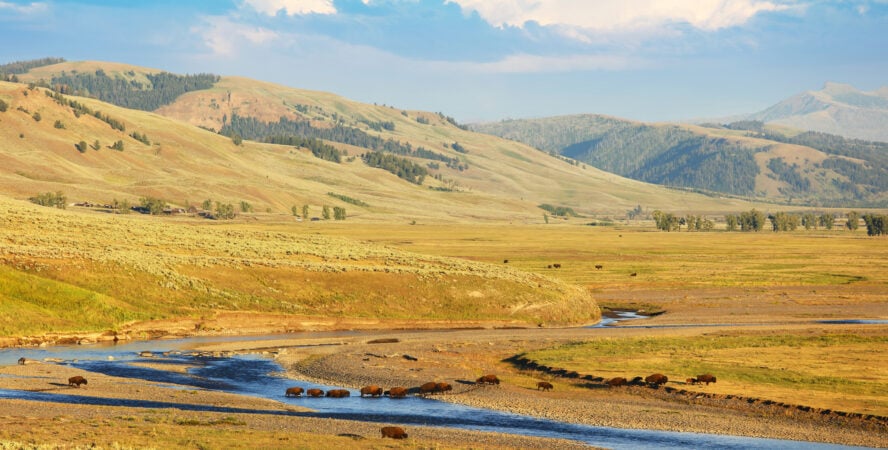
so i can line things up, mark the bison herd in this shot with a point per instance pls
(656, 380)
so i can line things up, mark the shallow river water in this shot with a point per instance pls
(261, 377)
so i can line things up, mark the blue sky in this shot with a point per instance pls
(651, 60)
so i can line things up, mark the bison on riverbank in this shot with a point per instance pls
(393, 432)
(294, 392)
(656, 379)
(443, 387)
(544, 385)
(372, 390)
(488, 379)
(706, 378)
(616, 381)
(76, 381)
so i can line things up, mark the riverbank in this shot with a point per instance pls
(459, 357)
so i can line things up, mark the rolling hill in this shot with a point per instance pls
(743, 158)
(469, 176)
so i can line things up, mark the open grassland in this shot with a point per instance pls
(67, 271)
(826, 368)
(715, 277)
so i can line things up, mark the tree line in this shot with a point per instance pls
(284, 129)
(19, 67)
(163, 88)
(402, 167)
(755, 220)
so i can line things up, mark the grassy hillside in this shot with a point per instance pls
(493, 180)
(781, 166)
(66, 271)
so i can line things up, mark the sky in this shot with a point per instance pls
(484, 60)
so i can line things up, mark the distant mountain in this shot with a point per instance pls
(836, 109)
(746, 158)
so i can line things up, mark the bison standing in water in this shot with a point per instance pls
(372, 390)
(488, 379)
(315, 392)
(397, 392)
(393, 432)
(656, 379)
(706, 378)
(76, 381)
(338, 393)
(544, 385)
(293, 392)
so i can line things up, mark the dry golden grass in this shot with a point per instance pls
(826, 368)
(76, 271)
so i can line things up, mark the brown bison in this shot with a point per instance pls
(372, 390)
(656, 379)
(443, 387)
(556, 265)
(22, 361)
(544, 385)
(706, 378)
(618, 381)
(314, 392)
(633, 274)
(338, 393)
(294, 392)
(76, 381)
(397, 392)
(393, 432)
(691, 381)
(488, 379)
(428, 388)
(598, 267)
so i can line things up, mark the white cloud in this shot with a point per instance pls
(619, 16)
(224, 37)
(30, 8)
(292, 7)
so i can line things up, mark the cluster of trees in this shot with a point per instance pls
(301, 131)
(81, 109)
(52, 199)
(379, 125)
(336, 213)
(8, 70)
(670, 222)
(789, 174)
(348, 199)
(782, 221)
(452, 121)
(402, 167)
(562, 211)
(318, 148)
(219, 210)
(143, 138)
(164, 88)
(876, 225)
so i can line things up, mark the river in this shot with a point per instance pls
(257, 376)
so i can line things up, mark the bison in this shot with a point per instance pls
(691, 381)
(706, 378)
(372, 390)
(397, 392)
(656, 379)
(544, 385)
(556, 265)
(393, 432)
(76, 381)
(338, 393)
(314, 392)
(633, 274)
(598, 267)
(428, 388)
(443, 387)
(294, 392)
(488, 379)
(617, 381)
(22, 361)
